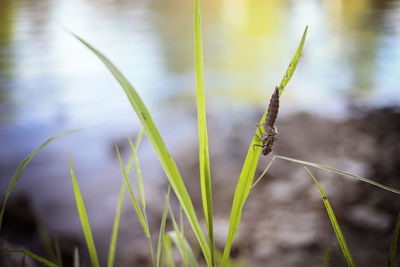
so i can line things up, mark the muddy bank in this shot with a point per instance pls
(284, 222)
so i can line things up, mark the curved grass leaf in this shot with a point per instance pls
(320, 166)
(160, 247)
(205, 178)
(162, 153)
(335, 224)
(31, 255)
(393, 246)
(23, 165)
(249, 168)
(84, 219)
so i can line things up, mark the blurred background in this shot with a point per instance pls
(339, 109)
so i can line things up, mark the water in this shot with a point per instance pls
(49, 82)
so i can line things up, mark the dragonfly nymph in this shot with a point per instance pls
(270, 134)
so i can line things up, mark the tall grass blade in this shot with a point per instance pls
(393, 246)
(205, 178)
(168, 252)
(335, 224)
(113, 242)
(183, 247)
(23, 165)
(76, 257)
(22, 261)
(320, 166)
(249, 167)
(293, 64)
(160, 247)
(180, 242)
(140, 186)
(142, 219)
(163, 155)
(84, 219)
(327, 254)
(30, 255)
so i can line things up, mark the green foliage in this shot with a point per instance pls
(249, 168)
(393, 246)
(320, 166)
(157, 142)
(335, 224)
(204, 160)
(160, 247)
(23, 165)
(113, 242)
(31, 255)
(84, 219)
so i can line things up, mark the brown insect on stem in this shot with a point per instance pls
(270, 134)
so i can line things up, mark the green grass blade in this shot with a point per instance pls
(142, 218)
(335, 225)
(168, 252)
(113, 242)
(76, 257)
(140, 178)
(249, 167)
(293, 64)
(205, 178)
(393, 246)
(31, 255)
(183, 247)
(84, 219)
(23, 165)
(320, 166)
(327, 254)
(264, 172)
(23, 261)
(162, 153)
(160, 247)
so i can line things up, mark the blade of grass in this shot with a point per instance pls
(263, 173)
(162, 153)
(205, 178)
(142, 219)
(23, 165)
(30, 255)
(183, 247)
(76, 257)
(113, 242)
(168, 252)
(326, 257)
(23, 261)
(84, 218)
(140, 186)
(160, 247)
(293, 64)
(180, 242)
(335, 224)
(249, 167)
(393, 246)
(320, 166)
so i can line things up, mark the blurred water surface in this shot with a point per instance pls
(49, 82)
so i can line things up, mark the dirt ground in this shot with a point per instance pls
(284, 221)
